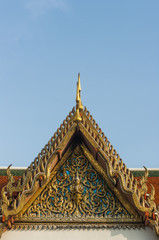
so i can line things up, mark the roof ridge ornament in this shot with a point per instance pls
(79, 105)
(78, 95)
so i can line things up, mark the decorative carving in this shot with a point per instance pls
(143, 181)
(11, 187)
(38, 171)
(151, 198)
(156, 224)
(41, 165)
(115, 164)
(77, 191)
(59, 226)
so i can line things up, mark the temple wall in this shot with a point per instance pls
(107, 234)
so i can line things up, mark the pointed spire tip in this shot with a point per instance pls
(78, 95)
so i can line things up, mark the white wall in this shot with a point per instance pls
(112, 234)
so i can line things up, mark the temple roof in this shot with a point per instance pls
(136, 198)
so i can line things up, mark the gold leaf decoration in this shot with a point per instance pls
(77, 190)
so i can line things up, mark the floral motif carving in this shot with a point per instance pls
(76, 190)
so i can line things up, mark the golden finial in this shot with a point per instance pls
(78, 95)
(79, 105)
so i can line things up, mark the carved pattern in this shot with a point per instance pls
(77, 190)
(40, 170)
(118, 168)
(59, 226)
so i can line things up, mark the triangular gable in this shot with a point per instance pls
(121, 183)
(75, 194)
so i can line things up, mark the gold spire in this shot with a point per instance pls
(78, 95)
(79, 105)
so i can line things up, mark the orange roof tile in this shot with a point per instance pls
(155, 182)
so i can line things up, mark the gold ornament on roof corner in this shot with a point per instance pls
(148, 199)
(143, 181)
(151, 198)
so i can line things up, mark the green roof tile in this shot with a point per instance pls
(152, 173)
(136, 173)
(14, 172)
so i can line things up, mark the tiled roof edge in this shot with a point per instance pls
(141, 173)
(131, 169)
(14, 172)
(137, 172)
(142, 169)
(14, 168)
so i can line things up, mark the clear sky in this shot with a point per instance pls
(113, 44)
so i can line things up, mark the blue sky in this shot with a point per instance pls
(114, 46)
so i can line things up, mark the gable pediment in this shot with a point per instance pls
(77, 193)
